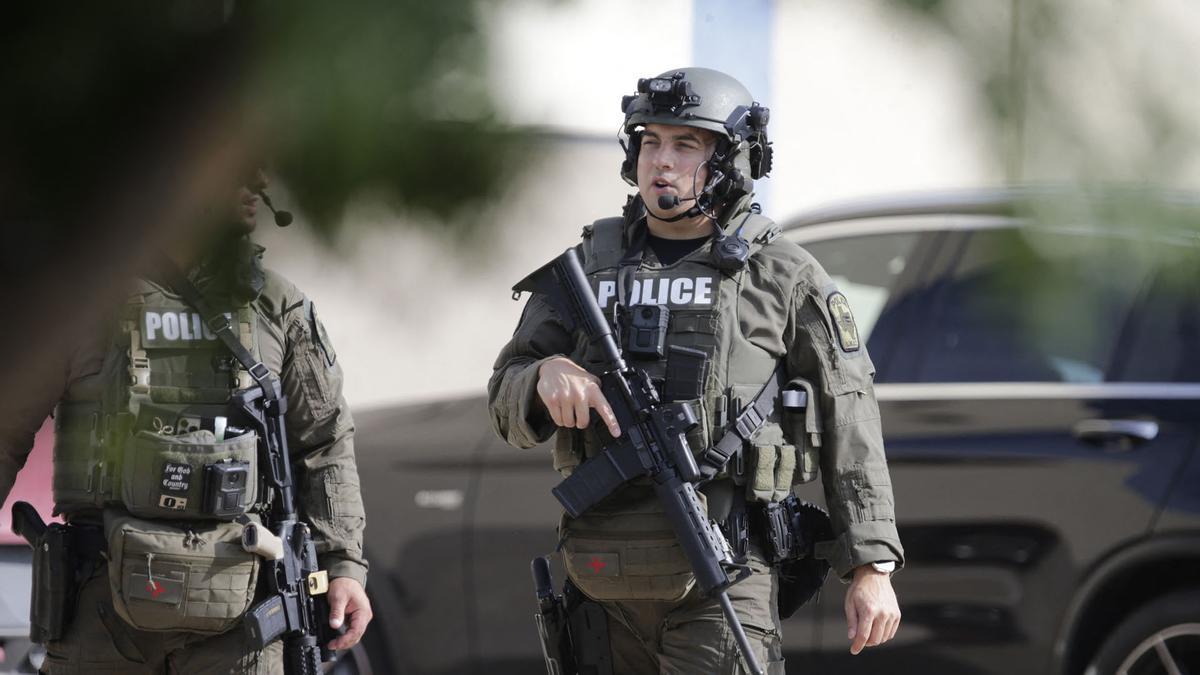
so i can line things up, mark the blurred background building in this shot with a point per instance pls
(866, 98)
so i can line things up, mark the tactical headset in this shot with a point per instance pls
(678, 98)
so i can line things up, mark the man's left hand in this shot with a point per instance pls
(347, 597)
(872, 612)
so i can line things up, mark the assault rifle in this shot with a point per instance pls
(296, 608)
(652, 443)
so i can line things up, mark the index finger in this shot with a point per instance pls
(596, 400)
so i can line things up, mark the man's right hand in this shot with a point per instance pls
(570, 392)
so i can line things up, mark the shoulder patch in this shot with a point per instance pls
(843, 322)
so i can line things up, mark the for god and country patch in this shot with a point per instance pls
(843, 322)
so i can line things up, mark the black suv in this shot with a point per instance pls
(1039, 380)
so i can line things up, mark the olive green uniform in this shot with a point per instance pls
(291, 342)
(782, 307)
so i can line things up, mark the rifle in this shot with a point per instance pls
(296, 608)
(653, 443)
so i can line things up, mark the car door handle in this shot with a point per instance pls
(1102, 431)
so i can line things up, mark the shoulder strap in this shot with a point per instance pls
(757, 229)
(603, 242)
(220, 324)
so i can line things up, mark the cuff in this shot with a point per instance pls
(863, 544)
(338, 567)
(538, 427)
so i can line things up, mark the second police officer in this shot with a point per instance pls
(692, 263)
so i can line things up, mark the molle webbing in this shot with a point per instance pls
(165, 360)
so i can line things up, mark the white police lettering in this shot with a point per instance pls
(161, 325)
(680, 292)
(607, 290)
(170, 322)
(185, 327)
(677, 290)
(153, 323)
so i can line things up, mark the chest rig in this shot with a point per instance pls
(694, 350)
(155, 436)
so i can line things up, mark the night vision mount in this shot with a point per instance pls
(665, 94)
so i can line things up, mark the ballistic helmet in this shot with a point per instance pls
(705, 99)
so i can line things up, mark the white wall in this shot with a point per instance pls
(863, 100)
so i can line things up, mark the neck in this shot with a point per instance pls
(688, 228)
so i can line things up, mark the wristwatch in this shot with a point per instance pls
(884, 567)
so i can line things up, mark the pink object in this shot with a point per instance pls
(33, 483)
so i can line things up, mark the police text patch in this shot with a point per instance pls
(170, 328)
(843, 322)
(676, 291)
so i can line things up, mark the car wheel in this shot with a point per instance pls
(1161, 638)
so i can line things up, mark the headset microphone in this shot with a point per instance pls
(667, 202)
(282, 218)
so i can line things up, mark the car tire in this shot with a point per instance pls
(1165, 630)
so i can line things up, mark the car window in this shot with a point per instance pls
(1029, 306)
(1161, 338)
(866, 270)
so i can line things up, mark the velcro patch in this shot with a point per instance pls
(167, 589)
(176, 478)
(843, 322)
(598, 564)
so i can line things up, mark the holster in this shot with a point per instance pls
(589, 632)
(63, 559)
(787, 533)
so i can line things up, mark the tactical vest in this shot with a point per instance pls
(623, 549)
(157, 438)
(703, 315)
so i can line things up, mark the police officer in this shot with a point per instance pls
(691, 263)
(141, 430)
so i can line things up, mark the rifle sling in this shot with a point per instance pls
(219, 324)
(743, 427)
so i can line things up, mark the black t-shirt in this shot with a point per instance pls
(669, 251)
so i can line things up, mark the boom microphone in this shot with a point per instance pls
(282, 218)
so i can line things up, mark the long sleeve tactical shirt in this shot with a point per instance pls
(788, 306)
(294, 346)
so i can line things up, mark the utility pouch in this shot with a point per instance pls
(802, 428)
(192, 476)
(52, 603)
(767, 464)
(629, 553)
(168, 576)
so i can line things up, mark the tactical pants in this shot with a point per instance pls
(98, 641)
(691, 636)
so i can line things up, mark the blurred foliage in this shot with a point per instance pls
(1099, 99)
(386, 97)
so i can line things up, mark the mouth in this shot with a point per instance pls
(663, 186)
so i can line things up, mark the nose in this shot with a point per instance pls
(664, 157)
(258, 180)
